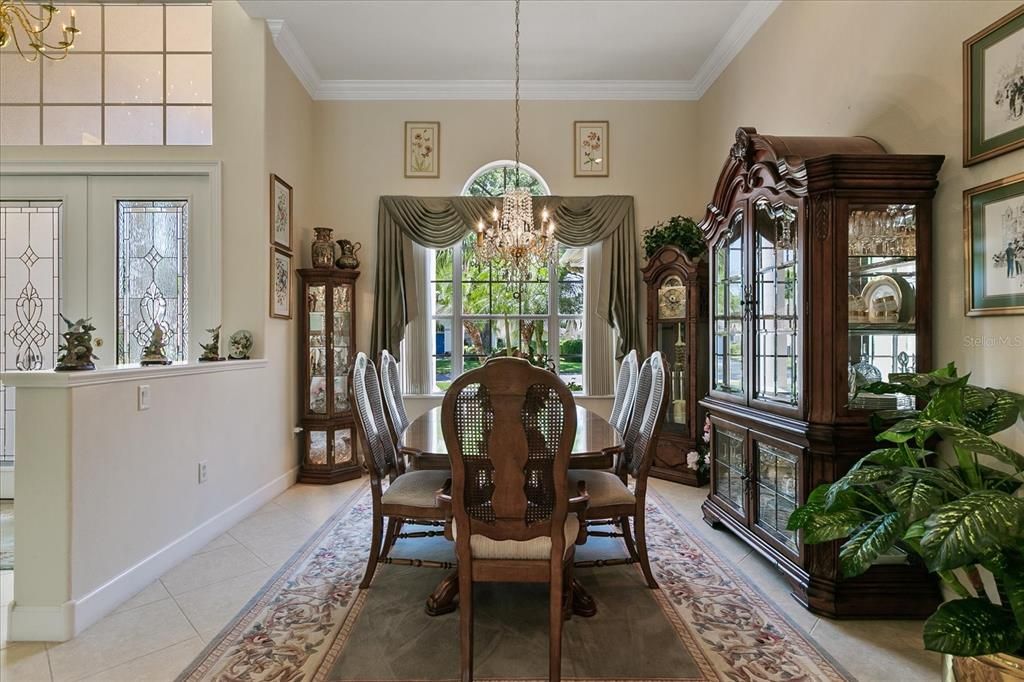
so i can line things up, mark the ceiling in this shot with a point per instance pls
(571, 49)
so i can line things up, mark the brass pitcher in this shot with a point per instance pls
(347, 260)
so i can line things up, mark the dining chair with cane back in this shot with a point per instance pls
(392, 389)
(611, 499)
(411, 496)
(625, 391)
(509, 428)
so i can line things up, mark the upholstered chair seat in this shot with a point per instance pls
(416, 489)
(536, 549)
(605, 488)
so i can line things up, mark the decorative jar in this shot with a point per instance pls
(323, 248)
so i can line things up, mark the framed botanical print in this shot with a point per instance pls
(994, 89)
(994, 245)
(280, 283)
(590, 149)
(280, 213)
(422, 143)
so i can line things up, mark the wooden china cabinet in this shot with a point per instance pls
(326, 352)
(677, 325)
(820, 279)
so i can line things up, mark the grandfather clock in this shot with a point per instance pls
(326, 352)
(677, 326)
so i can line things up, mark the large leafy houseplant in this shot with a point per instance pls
(963, 514)
(678, 231)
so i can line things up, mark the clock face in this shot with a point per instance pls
(671, 301)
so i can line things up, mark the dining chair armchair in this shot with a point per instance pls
(392, 386)
(410, 497)
(509, 428)
(611, 500)
(625, 391)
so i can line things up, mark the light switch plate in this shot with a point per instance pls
(202, 472)
(143, 397)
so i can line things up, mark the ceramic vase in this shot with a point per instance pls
(323, 248)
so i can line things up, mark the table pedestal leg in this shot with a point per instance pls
(583, 604)
(444, 598)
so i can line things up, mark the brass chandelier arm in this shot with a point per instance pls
(15, 14)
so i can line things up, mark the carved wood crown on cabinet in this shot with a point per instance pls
(796, 230)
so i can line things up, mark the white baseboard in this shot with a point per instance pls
(28, 622)
(41, 623)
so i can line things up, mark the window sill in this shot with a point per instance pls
(110, 375)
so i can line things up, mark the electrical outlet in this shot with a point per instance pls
(202, 472)
(143, 397)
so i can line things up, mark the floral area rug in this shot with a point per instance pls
(310, 622)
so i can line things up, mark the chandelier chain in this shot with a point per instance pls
(517, 93)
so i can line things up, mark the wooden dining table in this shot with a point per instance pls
(595, 447)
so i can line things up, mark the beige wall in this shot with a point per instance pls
(359, 157)
(892, 71)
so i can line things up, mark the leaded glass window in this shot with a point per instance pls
(152, 276)
(30, 290)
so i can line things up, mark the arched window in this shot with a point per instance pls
(477, 312)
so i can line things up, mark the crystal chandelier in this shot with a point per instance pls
(512, 235)
(14, 14)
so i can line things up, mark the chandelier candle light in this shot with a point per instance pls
(513, 235)
(15, 14)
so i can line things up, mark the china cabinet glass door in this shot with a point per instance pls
(776, 308)
(341, 333)
(776, 492)
(882, 284)
(729, 300)
(729, 466)
(316, 296)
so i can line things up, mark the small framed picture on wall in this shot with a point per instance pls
(590, 149)
(994, 89)
(422, 149)
(994, 245)
(280, 213)
(280, 283)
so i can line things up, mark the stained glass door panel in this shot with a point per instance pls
(729, 296)
(30, 254)
(777, 303)
(152, 277)
(777, 492)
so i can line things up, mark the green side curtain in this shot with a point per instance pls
(440, 222)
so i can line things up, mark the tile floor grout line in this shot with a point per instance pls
(119, 611)
(131, 660)
(216, 582)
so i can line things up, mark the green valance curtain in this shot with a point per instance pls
(439, 222)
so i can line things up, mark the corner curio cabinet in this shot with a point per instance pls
(677, 324)
(820, 280)
(326, 353)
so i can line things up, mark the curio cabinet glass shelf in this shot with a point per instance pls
(326, 353)
(820, 281)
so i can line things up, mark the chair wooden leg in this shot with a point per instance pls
(394, 527)
(627, 536)
(371, 562)
(555, 620)
(466, 623)
(641, 546)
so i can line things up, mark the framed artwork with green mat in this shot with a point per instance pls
(994, 247)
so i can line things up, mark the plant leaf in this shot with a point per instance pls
(873, 538)
(890, 457)
(962, 531)
(824, 526)
(972, 627)
(916, 496)
(947, 479)
(855, 477)
(1000, 414)
(967, 438)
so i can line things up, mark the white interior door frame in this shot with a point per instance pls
(211, 169)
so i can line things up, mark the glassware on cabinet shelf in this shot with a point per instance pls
(776, 302)
(882, 288)
(316, 301)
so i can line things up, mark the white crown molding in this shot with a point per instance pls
(502, 90)
(293, 54)
(735, 39)
(742, 30)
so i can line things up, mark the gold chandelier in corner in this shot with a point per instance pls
(513, 236)
(15, 17)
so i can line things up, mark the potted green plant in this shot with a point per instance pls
(960, 512)
(678, 231)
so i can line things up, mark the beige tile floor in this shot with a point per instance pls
(155, 634)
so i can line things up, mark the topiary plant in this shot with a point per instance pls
(678, 231)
